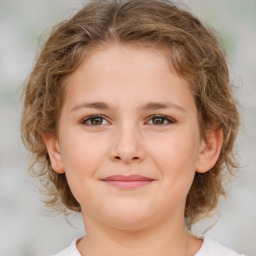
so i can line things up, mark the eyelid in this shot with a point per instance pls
(169, 119)
(84, 120)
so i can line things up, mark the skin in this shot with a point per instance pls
(126, 140)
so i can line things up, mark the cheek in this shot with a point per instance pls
(81, 158)
(176, 150)
(81, 152)
(176, 160)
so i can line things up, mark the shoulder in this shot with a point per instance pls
(71, 250)
(213, 248)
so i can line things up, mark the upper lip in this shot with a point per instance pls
(127, 178)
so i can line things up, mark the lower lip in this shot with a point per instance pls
(128, 184)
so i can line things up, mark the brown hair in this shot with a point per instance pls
(196, 56)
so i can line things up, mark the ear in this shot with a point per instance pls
(53, 148)
(209, 150)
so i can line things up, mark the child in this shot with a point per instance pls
(130, 116)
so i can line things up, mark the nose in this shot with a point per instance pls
(127, 146)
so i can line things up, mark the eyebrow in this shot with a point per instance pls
(148, 106)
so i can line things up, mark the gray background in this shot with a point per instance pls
(26, 227)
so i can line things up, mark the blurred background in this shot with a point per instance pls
(26, 227)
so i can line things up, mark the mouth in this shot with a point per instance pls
(127, 182)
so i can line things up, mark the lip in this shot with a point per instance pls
(127, 182)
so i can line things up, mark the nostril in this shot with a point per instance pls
(119, 158)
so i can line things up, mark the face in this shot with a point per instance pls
(129, 140)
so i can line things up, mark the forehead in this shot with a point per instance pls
(125, 73)
(120, 57)
(98, 53)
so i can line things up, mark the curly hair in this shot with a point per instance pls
(196, 56)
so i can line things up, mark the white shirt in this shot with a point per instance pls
(208, 248)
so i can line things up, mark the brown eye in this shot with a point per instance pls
(161, 120)
(94, 120)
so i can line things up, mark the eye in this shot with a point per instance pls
(94, 120)
(161, 120)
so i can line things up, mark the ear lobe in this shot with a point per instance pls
(53, 149)
(209, 150)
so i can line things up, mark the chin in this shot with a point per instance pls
(128, 219)
(130, 225)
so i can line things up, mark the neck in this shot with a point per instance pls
(163, 239)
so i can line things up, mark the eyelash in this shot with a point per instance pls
(170, 120)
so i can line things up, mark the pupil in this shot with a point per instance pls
(96, 120)
(158, 120)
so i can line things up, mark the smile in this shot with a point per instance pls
(127, 182)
